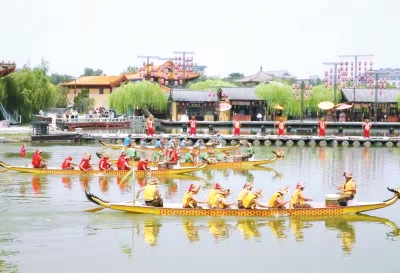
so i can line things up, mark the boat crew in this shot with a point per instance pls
(322, 127)
(349, 189)
(276, 200)
(367, 127)
(38, 161)
(281, 127)
(127, 141)
(218, 140)
(250, 200)
(157, 156)
(68, 164)
(298, 199)
(236, 127)
(183, 142)
(132, 153)
(122, 163)
(191, 156)
(143, 142)
(190, 200)
(246, 189)
(152, 196)
(219, 200)
(143, 165)
(159, 143)
(193, 126)
(104, 164)
(150, 125)
(249, 152)
(209, 154)
(173, 156)
(223, 156)
(85, 163)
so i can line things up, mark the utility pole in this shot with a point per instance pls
(377, 84)
(335, 64)
(183, 61)
(356, 62)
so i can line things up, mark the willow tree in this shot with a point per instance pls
(398, 102)
(279, 93)
(210, 85)
(142, 94)
(27, 91)
(321, 93)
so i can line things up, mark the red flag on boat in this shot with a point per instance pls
(22, 152)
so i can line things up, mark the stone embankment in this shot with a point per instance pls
(15, 134)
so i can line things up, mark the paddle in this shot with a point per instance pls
(126, 176)
(3, 170)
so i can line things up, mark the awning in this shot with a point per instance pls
(343, 106)
(278, 107)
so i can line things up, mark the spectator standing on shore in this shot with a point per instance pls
(259, 116)
(367, 128)
(150, 125)
(236, 127)
(281, 127)
(193, 126)
(322, 126)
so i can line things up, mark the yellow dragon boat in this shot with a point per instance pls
(153, 148)
(217, 164)
(176, 209)
(59, 171)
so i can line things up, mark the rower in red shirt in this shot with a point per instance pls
(123, 162)
(104, 164)
(143, 165)
(68, 164)
(85, 163)
(38, 161)
(173, 156)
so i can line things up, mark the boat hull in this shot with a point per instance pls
(54, 171)
(167, 210)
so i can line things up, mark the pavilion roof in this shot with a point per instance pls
(95, 81)
(192, 96)
(258, 77)
(364, 95)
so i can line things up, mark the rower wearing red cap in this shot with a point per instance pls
(298, 199)
(85, 163)
(219, 201)
(276, 200)
(246, 189)
(104, 164)
(123, 161)
(190, 199)
(213, 192)
(68, 164)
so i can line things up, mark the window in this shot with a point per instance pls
(101, 91)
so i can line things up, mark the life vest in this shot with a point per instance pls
(211, 195)
(36, 160)
(240, 197)
(149, 191)
(85, 166)
(103, 164)
(347, 187)
(121, 163)
(214, 200)
(272, 201)
(66, 163)
(247, 202)
(188, 201)
(296, 198)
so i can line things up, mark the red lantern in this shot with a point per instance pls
(380, 92)
(180, 81)
(179, 59)
(175, 82)
(209, 94)
(365, 63)
(162, 81)
(331, 70)
(166, 83)
(371, 92)
(370, 63)
(152, 79)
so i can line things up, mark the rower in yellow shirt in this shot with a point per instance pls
(298, 199)
(276, 200)
(349, 189)
(219, 201)
(250, 200)
(213, 192)
(152, 196)
(246, 189)
(190, 200)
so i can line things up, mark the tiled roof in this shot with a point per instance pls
(364, 95)
(191, 95)
(241, 93)
(279, 73)
(96, 81)
(260, 76)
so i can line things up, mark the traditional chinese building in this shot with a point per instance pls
(100, 87)
(366, 101)
(6, 68)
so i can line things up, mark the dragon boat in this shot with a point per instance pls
(59, 171)
(153, 148)
(217, 165)
(317, 208)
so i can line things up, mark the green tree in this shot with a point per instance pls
(130, 69)
(210, 85)
(141, 94)
(235, 76)
(398, 102)
(57, 78)
(92, 72)
(27, 91)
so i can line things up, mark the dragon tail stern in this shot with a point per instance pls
(93, 198)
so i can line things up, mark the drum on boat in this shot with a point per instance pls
(162, 165)
(332, 200)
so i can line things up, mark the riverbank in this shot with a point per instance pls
(15, 134)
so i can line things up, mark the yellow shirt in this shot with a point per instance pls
(241, 194)
(347, 187)
(149, 192)
(297, 197)
(272, 201)
(211, 195)
(187, 200)
(248, 201)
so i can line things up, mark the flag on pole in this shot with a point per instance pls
(22, 152)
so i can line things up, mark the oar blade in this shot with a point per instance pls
(94, 209)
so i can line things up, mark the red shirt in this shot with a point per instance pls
(66, 163)
(173, 156)
(120, 163)
(36, 160)
(142, 165)
(84, 165)
(104, 164)
(192, 123)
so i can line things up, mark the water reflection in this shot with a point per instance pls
(219, 229)
(250, 228)
(66, 182)
(84, 181)
(103, 184)
(150, 230)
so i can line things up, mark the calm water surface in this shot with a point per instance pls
(44, 228)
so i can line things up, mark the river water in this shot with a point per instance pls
(44, 228)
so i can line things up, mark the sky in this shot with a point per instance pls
(226, 36)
